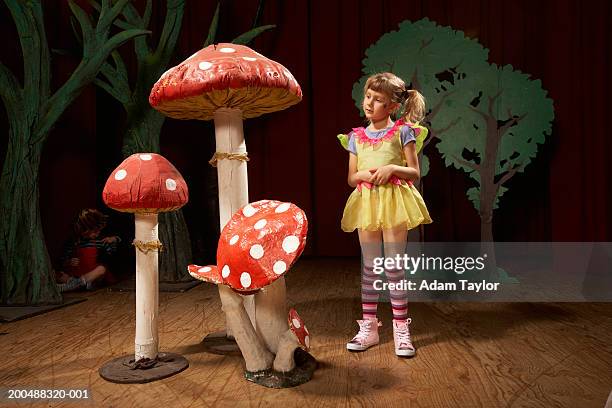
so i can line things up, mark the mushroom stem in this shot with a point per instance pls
(231, 174)
(271, 313)
(232, 177)
(255, 354)
(284, 360)
(147, 339)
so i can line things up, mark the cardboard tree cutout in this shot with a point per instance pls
(32, 110)
(256, 248)
(497, 134)
(145, 184)
(227, 83)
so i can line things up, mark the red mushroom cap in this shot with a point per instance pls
(297, 326)
(224, 76)
(260, 243)
(208, 273)
(145, 183)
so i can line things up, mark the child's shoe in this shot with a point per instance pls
(367, 336)
(401, 338)
(72, 284)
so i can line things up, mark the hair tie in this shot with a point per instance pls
(405, 94)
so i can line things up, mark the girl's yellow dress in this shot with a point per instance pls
(397, 203)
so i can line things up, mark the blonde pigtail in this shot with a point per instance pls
(414, 106)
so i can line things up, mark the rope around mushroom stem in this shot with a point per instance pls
(148, 246)
(230, 156)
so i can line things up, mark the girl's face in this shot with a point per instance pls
(377, 106)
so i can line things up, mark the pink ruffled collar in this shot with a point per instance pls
(363, 138)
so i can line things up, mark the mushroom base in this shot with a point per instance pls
(305, 366)
(121, 371)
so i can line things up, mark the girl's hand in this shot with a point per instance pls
(74, 261)
(110, 240)
(364, 175)
(382, 174)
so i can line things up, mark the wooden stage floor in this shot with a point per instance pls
(469, 354)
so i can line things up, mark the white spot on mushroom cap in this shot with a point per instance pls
(170, 184)
(249, 210)
(296, 323)
(256, 251)
(227, 50)
(249, 59)
(291, 244)
(145, 157)
(282, 208)
(120, 175)
(225, 272)
(204, 65)
(205, 269)
(234, 239)
(279, 267)
(260, 224)
(307, 341)
(245, 279)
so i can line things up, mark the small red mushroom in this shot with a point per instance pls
(297, 326)
(146, 184)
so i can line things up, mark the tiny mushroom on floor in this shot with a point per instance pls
(257, 247)
(146, 184)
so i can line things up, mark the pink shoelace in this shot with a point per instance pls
(403, 334)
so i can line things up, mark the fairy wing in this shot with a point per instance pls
(344, 140)
(421, 134)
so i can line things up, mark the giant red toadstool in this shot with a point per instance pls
(146, 184)
(227, 83)
(256, 248)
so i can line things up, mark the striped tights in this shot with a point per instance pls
(369, 296)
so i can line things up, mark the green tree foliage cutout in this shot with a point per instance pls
(488, 120)
(144, 124)
(32, 109)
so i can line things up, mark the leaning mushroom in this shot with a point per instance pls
(146, 184)
(227, 83)
(296, 336)
(256, 248)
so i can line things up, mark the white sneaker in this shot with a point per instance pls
(367, 336)
(401, 338)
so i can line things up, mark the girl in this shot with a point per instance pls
(383, 164)
(84, 260)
